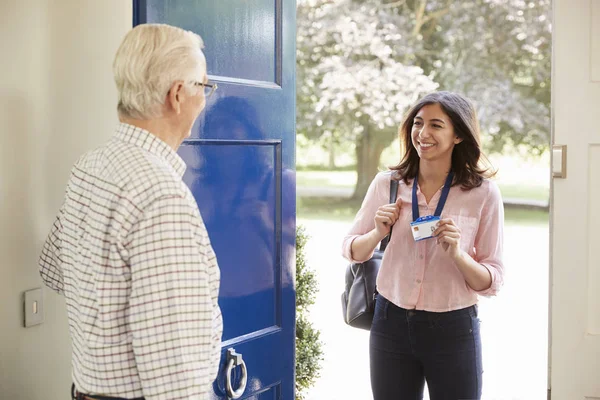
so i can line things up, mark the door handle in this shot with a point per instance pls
(233, 360)
(559, 161)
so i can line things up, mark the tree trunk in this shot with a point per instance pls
(331, 154)
(368, 153)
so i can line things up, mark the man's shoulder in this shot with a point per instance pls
(139, 175)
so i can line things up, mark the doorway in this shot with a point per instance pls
(354, 64)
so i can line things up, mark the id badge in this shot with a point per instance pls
(424, 227)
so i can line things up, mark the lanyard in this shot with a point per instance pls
(441, 203)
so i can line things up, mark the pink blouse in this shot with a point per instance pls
(420, 275)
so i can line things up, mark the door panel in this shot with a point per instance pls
(241, 221)
(246, 32)
(575, 276)
(240, 161)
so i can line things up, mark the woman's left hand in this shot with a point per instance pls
(448, 235)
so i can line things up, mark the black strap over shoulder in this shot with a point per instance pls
(393, 196)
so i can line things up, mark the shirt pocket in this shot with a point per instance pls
(468, 229)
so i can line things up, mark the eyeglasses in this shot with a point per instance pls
(209, 88)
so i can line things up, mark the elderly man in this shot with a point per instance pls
(128, 249)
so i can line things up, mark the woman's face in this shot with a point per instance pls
(433, 134)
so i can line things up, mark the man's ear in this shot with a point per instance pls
(174, 97)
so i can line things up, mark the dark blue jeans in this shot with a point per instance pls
(409, 347)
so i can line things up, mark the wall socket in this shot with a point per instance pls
(33, 307)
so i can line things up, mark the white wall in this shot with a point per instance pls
(57, 100)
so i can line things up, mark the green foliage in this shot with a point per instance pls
(309, 351)
(498, 53)
(362, 63)
(308, 356)
(306, 280)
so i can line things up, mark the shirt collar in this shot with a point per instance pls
(142, 138)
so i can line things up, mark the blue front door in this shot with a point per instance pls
(241, 170)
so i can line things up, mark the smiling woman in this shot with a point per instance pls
(429, 289)
(434, 126)
(432, 136)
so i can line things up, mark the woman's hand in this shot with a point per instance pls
(448, 235)
(386, 216)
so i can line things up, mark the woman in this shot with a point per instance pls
(425, 326)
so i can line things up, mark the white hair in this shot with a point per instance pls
(149, 60)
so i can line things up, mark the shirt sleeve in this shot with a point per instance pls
(174, 317)
(50, 263)
(364, 221)
(489, 241)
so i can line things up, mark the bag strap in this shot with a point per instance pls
(393, 196)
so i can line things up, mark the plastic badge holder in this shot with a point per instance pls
(424, 227)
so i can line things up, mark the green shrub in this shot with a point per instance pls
(309, 351)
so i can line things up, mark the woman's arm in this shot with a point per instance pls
(485, 274)
(478, 277)
(363, 246)
(372, 222)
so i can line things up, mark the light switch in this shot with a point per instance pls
(33, 308)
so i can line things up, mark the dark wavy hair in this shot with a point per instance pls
(466, 156)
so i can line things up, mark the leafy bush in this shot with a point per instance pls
(309, 351)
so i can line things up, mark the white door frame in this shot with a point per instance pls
(574, 304)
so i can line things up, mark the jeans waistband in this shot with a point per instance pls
(427, 315)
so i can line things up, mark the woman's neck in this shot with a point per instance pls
(433, 172)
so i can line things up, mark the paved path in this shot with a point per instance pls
(514, 324)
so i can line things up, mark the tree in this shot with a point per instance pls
(362, 63)
(498, 53)
(351, 85)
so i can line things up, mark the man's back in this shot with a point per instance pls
(133, 259)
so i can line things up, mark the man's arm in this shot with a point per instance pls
(171, 305)
(50, 262)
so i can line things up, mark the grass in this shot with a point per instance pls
(515, 216)
(531, 192)
(347, 179)
(341, 209)
(327, 208)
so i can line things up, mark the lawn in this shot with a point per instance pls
(343, 179)
(347, 179)
(340, 209)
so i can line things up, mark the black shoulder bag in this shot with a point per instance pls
(358, 299)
